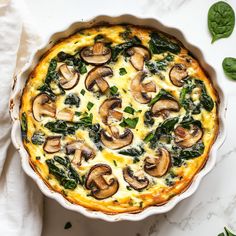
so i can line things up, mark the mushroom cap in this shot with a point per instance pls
(138, 54)
(52, 144)
(177, 73)
(79, 149)
(106, 109)
(69, 78)
(159, 165)
(140, 90)
(43, 105)
(186, 138)
(136, 182)
(113, 142)
(101, 182)
(96, 76)
(97, 54)
(163, 105)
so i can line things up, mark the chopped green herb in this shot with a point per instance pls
(113, 90)
(68, 225)
(115, 164)
(82, 92)
(129, 110)
(128, 122)
(24, 126)
(122, 71)
(78, 113)
(149, 137)
(90, 105)
(38, 157)
(129, 188)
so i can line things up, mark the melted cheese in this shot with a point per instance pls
(124, 200)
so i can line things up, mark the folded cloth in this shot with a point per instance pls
(20, 200)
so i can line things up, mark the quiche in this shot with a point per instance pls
(118, 118)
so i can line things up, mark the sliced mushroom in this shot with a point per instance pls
(65, 114)
(97, 54)
(69, 78)
(187, 137)
(139, 90)
(177, 73)
(96, 76)
(43, 106)
(107, 109)
(114, 141)
(101, 182)
(138, 56)
(164, 106)
(79, 149)
(52, 144)
(137, 181)
(157, 166)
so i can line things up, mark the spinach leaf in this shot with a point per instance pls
(195, 151)
(98, 38)
(72, 99)
(148, 119)
(51, 74)
(221, 20)
(161, 95)
(161, 65)
(159, 44)
(149, 137)
(120, 48)
(61, 127)
(229, 66)
(38, 138)
(129, 122)
(126, 34)
(189, 120)
(94, 135)
(65, 173)
(24, 126)
(47, 89)
(133, 152)
(228, 233)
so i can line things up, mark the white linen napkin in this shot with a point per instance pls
(20, 200)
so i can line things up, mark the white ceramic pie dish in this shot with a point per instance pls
(19, 83)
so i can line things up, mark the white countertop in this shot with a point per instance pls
(213, 206)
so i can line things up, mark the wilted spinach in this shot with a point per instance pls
(221, 20)
(120, 48)
(38, 138)
(52, 73)
(94, 135)
(24, 126)
(161, 95)
(64, 172)
(186, 101)
(72, 99)
(133, 152)
(160, 65)
(159, 44)
(229, 66)
(148, 119)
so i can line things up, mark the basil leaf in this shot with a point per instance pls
(229, 66)
(221, 20)
(159, 44)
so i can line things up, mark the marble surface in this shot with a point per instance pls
(213, 206)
